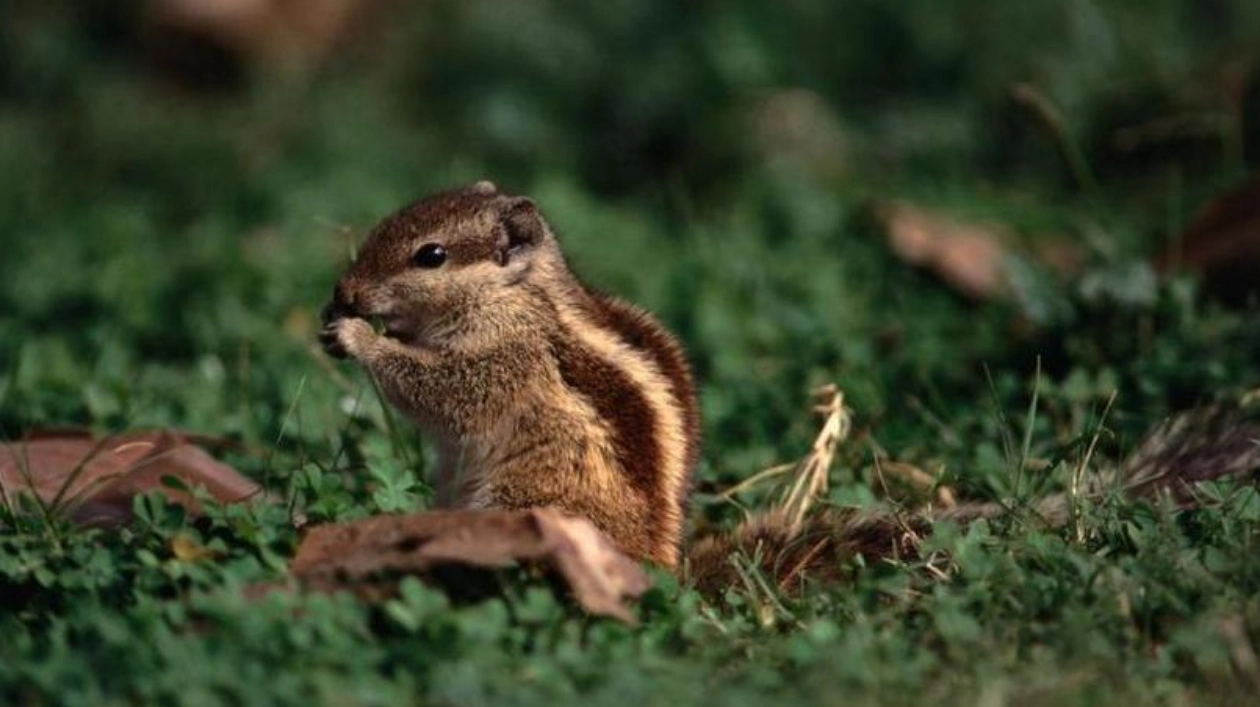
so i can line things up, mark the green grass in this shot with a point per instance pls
(165, 253)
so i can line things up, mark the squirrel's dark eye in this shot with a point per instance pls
(431, 255)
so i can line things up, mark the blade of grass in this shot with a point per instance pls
(1078, 474)
(1030, 422)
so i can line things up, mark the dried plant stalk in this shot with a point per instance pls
(809, 476)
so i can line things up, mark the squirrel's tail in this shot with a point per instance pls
(1192, 447)
(789, 549)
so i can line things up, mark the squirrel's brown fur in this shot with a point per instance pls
(536, 390)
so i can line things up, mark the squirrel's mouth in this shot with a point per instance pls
(393, 327)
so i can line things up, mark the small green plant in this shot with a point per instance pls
(397, 488)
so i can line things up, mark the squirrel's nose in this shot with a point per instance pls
(341, 306)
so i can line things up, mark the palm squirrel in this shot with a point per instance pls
(539, 391)
(535, 389)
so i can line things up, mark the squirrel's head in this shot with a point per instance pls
(447, 256)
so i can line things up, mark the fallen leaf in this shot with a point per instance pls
(95, 479)
(354, 556)
(1222, 244)
(203, 37)
(971, 257)
(968, 257)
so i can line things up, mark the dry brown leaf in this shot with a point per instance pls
(94, 479)
(1222, 244)
(352, 556)
(287, 34)
(970, 257)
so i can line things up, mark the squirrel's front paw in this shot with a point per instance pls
(346, 337)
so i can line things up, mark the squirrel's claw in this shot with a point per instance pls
(331, 342)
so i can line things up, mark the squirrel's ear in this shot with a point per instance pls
(522, 228)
